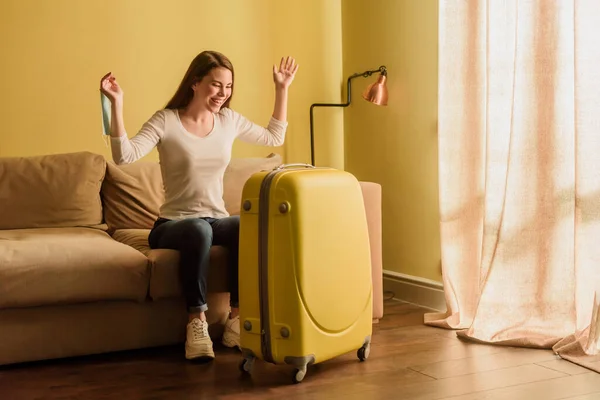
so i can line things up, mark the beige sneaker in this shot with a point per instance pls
(198, 343)
(231, 334)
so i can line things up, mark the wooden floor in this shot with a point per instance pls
(408, 361)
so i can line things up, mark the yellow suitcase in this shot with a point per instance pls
(305, 268)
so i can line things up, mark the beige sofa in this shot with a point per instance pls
(76, 274)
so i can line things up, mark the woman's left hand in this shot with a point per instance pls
(285, 75)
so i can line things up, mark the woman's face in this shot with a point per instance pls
(214, 89)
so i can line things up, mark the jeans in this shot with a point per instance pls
(193, 238)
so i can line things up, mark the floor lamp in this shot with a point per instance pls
(375, 93)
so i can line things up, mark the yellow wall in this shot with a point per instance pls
(55, 52)
(397, 145)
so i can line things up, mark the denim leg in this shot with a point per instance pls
(226, 232)
(192, 238)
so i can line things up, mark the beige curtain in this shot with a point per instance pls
(519, 159)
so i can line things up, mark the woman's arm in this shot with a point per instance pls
(283, 78)
(280, 108)
(111, 89)
(249, 132)
(125, 150)
(274, 133)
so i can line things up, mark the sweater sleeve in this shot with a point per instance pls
(248, 131)
(127, 151)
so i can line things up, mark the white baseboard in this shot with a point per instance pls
(415, 290)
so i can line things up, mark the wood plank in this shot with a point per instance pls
(511, 357)
(564, 366)
(553, 389)
(478, 382)
(591, 396)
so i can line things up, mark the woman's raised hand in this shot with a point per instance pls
(284, 76)
(110, 87)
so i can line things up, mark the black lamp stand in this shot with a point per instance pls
(365, 74)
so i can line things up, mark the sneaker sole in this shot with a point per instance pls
(230, 343)
(199, 354)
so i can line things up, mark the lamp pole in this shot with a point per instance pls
(365, 74)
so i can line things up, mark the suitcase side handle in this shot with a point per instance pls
(282, 166)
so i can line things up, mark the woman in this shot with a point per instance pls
(194, 135)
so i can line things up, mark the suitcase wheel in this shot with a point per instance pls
(363, 352)
(246, 365)
(299, 374)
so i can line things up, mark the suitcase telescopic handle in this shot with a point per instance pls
(282, 166)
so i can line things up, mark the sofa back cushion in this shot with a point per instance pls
(133, 193)
(57, 190)
(238, 172)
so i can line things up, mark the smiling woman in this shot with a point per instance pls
(194, 134)
(218, 72)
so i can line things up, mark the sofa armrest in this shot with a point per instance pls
(372, 198)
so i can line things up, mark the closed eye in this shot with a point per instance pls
(219, 84)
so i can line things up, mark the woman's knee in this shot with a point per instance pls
(229, 230)
(235, 224)
(196, 231)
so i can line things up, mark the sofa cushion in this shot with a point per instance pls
(133, 193)
(164, 265)
(60, 190)
(47, 266)
(237, 173)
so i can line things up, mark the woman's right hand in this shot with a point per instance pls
(110, 88)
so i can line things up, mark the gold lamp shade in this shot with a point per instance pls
(377, 93)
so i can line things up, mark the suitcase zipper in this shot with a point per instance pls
(263, 255)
